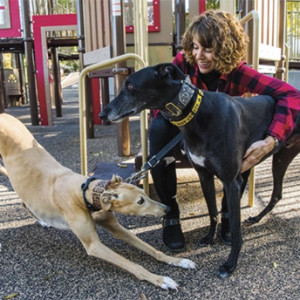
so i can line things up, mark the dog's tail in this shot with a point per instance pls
(3, 171)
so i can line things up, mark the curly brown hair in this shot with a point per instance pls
(221, 32)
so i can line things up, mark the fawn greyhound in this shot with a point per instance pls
(58, 197)
(217, 130)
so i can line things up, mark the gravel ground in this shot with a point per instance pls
(39, 263)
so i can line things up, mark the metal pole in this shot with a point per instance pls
(82, 101)
(30, 63)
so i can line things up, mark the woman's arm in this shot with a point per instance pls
(286, 111)
(286, 96)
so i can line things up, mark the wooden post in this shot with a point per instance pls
(22, 77)
(283, 63)
(104, 88)
(56, 82)
(80, 32)
(179, 21)
(30, 65)
(89, 109)
(2, 87)
(118, 47)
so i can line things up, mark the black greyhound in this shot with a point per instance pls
(217, 130)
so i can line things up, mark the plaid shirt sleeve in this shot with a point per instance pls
(180, 62)
(244, 79)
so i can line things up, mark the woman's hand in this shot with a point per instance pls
(256, 152)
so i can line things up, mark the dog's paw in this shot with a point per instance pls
(169, 283)
(225, 271)
(251, 221)
(223, 274)
(187, 264)
(207, 240)
(183, 263)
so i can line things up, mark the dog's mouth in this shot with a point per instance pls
(120, 118)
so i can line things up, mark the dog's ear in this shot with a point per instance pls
(170, 73)
(116, 179)
(166, 70)
(106, 201)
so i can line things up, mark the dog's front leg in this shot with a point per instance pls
(208, 189)
(233, 191)
(110, 222)
(83, 226)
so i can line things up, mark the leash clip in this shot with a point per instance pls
(151, 163)
(137, 176)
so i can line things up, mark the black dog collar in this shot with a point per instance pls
(96, 195)
(173, 110)
(191, 114)
(186, 93)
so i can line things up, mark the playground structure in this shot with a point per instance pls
(101, 34)
(104, 30)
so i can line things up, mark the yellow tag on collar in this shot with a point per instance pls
(191, 114)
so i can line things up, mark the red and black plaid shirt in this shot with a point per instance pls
(244, 79)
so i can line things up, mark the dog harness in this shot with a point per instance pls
(184, 97)
(97, 192)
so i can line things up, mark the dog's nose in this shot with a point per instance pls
(103, 115)
(167, 209)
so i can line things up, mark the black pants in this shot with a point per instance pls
(161, 132)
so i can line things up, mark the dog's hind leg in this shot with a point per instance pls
(111, 223)
(84, 228)
(280, 163)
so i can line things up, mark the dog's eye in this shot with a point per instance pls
(141, 201)
(130, 87)
(115, 196)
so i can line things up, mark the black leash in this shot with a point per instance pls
(154, 160)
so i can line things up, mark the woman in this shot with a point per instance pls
(214, 46)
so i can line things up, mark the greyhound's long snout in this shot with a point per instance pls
(103, 114)
(167, 209)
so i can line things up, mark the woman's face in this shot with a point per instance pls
(203, 58)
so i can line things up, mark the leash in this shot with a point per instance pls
(154, 160)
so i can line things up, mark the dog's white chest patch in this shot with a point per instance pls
(197, 160)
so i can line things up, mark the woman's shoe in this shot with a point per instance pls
(172, 235)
